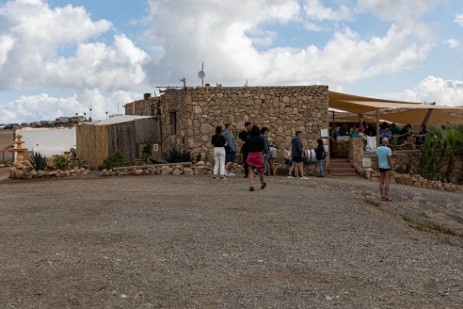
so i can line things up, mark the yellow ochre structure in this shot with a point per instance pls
(18, 148)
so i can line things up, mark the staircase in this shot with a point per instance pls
(341, 167)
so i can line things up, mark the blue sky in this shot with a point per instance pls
(58, 57)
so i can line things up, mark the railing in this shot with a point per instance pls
(6, 156)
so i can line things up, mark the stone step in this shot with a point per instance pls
(343, 174)
(343, 170)
(340, 165)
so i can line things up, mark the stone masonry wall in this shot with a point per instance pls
(282, 109)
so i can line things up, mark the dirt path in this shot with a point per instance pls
(191, 242)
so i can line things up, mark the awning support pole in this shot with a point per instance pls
(377, 127)
(426, 117)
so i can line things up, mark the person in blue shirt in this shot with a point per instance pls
(385, 167)
(231, 150)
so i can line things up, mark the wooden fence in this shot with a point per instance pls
(96, 142)
(92, 144)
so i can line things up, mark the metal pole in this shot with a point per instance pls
(377, 127)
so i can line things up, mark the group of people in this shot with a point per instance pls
(257, 153)
(254, 148)
(295, 157)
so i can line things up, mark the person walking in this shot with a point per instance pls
(297, 151)
(243, 136)
(219, 142)
(263, 133)
(385, 167)
(255, 158)
(230, 150)
(320, 155)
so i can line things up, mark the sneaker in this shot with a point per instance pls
(263, 185)
(304, 178)
(223, 178)
(215, 177)
(290, 177)
(230, 174)
(226, 173)
(251, 189)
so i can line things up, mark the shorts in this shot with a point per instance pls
(256, 159)
(297, 159)
(384, 170)
(230, 157)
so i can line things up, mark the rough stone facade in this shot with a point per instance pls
(189, 116)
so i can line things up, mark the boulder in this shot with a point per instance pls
(188, 171)
(166, 170)
(177, 172)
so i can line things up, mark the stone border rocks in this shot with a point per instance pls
(23, 171)
(414, 180)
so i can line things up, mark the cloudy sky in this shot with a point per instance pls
(61, 57)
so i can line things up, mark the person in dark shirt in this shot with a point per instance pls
(219, 142)
(420, 138)
(344, 130)
(320, 155)
(297, 151)
(405, 133)
(242, 138)
(255, 146)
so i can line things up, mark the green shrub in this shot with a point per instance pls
(38, 162)
(175, 155)
(115, 159)
(147, 151)
(61, 162)
(429, 157)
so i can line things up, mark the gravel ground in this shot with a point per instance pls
(194, 242)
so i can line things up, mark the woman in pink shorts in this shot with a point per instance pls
(255, 146)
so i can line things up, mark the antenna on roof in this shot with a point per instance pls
(201, 74)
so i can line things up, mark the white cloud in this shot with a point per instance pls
(452, 43)
(459, 19)
(6, 45)
(44, 107)
(315, 10)
(221, 38)
(435, 89)
(230, 37)
(98, 65)
(34, 35)
(39, 107)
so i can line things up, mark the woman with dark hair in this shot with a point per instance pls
(219, 142)
(255, 147)
(320, 155)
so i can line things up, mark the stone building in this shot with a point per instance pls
(190, 115)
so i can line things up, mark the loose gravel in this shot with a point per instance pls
(194, 242)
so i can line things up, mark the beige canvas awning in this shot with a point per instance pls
(393, 111)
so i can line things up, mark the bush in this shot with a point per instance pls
(175, 155)
(61, 162)
(147, 151)
(115, 159)
(38, 162)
